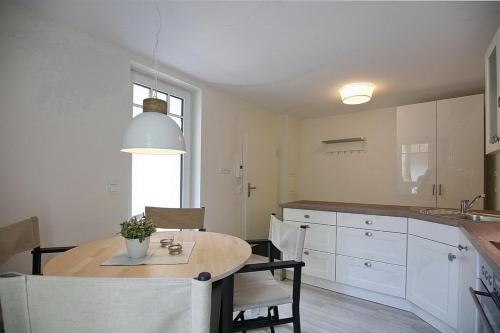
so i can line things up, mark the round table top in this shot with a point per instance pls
(219, 254)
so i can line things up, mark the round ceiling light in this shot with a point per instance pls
(356, 93)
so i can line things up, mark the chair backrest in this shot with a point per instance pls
(78, 304)
(18, 237)
(289, 239)
(177, 218)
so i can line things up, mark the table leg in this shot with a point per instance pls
(216, 307)
(227, 304)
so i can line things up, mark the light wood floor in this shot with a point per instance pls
(323, 311)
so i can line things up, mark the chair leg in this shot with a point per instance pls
(276, 313)
(241, 317)
(296, 318)
(37, 261)
(270, 318)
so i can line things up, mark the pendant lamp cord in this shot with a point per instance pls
(155, 52)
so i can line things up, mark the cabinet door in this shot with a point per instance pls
(460, 154)
(416, 140)
(492, 93)
(433, 278)
(468, 278)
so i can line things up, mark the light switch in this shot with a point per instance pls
(113, 187)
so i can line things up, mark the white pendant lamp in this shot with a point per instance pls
(356, 93)
(153, 131)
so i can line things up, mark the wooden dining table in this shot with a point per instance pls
(219, 254)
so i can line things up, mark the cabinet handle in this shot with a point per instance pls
(433, 189)
(368, 264)
(494, 139)
(306, 253)
(461, 247)
(369, 234)
(440, 189)
(306, 216)
(368, 222)
(451, 256)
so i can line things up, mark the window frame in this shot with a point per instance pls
(171, 90)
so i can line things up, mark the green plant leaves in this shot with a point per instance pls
(137, 228)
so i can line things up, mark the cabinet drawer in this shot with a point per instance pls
(383, 246)
(374, 222)
(313, 216)
(379, 277)
(319, 237)
(318, 264)
(434, 231)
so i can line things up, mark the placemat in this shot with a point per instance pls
(157, 255)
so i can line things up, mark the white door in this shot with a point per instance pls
(468, 278)
(260, 183)
(460, 150)
(416, 140)
(433, 278)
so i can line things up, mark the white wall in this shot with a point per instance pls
(359, 177)
(65, 99)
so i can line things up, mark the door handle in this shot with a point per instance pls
(440, 189)
(433, 189)
(249, 189)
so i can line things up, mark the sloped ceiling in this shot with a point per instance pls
(293, 56)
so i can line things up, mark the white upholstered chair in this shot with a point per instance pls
(49, 304)
(255, 286)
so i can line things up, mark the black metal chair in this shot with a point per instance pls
(24, 236)
(255, 286)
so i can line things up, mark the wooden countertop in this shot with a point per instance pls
(480, 234)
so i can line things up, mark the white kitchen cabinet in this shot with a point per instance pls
(319, 264)
(416, 148)
(492, 95)
(372, 275)
(388, 247)
(469, 259)
(319, 237)
(460, 153)
(442, 233)
(433, 278)
(440, 151)
(373, 222)
(311, 216)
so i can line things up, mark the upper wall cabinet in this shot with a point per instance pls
(492, 95)
(416, 140)
(460, 152)
(440, 149)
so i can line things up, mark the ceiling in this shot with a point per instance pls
(294, 56)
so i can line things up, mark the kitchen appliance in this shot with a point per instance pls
(487, 299)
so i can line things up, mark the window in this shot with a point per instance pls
(157, 180)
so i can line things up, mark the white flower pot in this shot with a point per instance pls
(136, 249)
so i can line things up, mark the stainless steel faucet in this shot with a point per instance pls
(466, 205)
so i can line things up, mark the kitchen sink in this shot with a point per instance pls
(481, 217)
(497, 245)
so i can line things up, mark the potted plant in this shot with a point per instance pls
(136, 233)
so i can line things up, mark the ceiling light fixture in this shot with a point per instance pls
(153, 131)
(356, 93)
